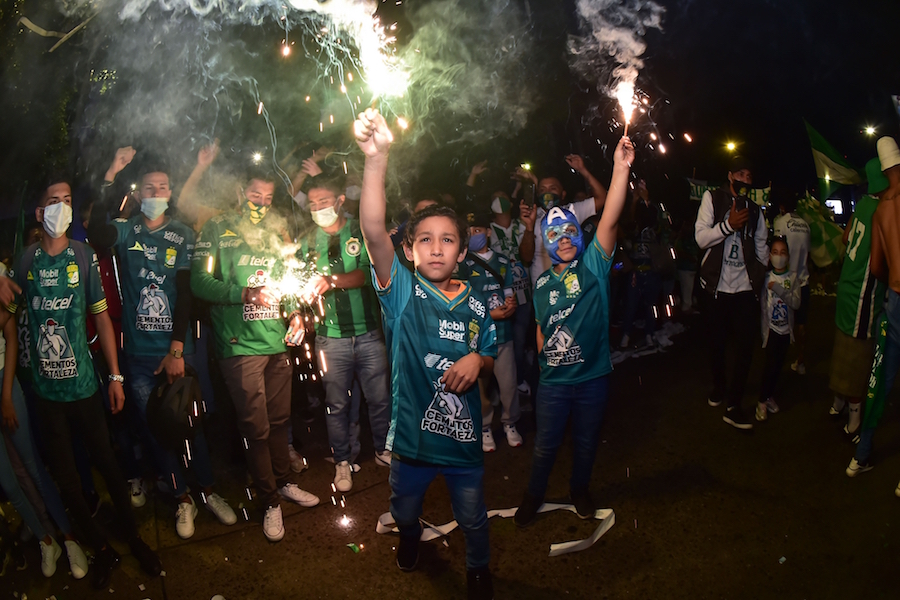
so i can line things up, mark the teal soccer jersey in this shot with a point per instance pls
(148, 261)
(57, 294)
(428, 333)
(572, 310)
(484, 282)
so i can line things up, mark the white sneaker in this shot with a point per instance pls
(78, 563)
(625, 341)
(298, 463)
(524, 388)
(138, 497)
(273, 524)
(49, 555)
(343, 481)
(897, 490)
(293, 493)
(856, 468)
(216, 505)
(383, 458)
(513, 437)
(487, 440)
(798, 367)
(184, 519)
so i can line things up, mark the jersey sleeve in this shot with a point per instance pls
(184, 259)
(95, 296)
(16, 275)
(596, 259)
(487, 345)
(122, 227)
(396, 294)
(204, 284)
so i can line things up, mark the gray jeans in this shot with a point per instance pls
(260, 387)
(363, 357)
(505, 373)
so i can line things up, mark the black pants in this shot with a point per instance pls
(60, 420)
(735, 316)
(776, 350)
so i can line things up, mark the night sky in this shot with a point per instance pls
(740, 70)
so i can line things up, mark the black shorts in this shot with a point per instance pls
(802, 313)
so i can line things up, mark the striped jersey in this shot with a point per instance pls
(859, 295)
(348, 313)
(428, 333)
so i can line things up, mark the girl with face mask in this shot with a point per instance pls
(779, 299)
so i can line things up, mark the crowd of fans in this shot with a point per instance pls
(457, 303)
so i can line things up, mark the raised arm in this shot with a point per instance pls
(102, 234)
(607, 228)
(188, 205)
(374, 139)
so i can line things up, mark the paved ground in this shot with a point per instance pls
(702, 510)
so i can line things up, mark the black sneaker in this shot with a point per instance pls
(101, 569)
(527, 510)
(408, 553)
(735, 417)
(584, 506)
(147, 558)
(480, 585)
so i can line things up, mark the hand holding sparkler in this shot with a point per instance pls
(260, 296)
(624, 154)
(372, 133)
(296, 332)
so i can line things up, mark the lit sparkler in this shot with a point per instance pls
(625, 96)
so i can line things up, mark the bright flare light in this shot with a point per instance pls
(402, 123)
(625, 96)
(286, 50)
(344, 521)
(731, 146)
(257, 158)
(870, 130)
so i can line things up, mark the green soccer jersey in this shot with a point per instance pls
(352, 312)
(148, 261)
(572, 310)
(859, 295)
(232, 253)
(429, 332)
(493, 291)
(57, 293)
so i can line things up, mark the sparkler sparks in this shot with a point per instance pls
(625, 96)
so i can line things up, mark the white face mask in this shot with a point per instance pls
(152, 208)
(57, 218)
(325, 217)
(779, 261)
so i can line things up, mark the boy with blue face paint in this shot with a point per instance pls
(571, 301)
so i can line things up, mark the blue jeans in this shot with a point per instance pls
(586, 403)
(23, 442)
(890, 365)
(408, 486)
(523, 319)
(365, 358)
(140, 381)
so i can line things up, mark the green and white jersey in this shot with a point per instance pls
(148, 261)
(859, 295)
(232, 253)
(348, 313)
(57, 293)
(506, 240)
(572, 310)
(494, 292)
(428, 333)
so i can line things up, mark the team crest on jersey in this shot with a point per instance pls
(153, 310)
(72, 276)
(561, 349)
(56, 360)
(171, 255)
(573, 287)
(448, 415)
(473, 334)
(353, 247)
(258, 279)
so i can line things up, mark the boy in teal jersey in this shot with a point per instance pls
(571, 303)
(58, 282)
(154, 261)
(490, 273)
(442, 341)
(349, 335)
(237, 259)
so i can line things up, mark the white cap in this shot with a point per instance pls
(888, 153)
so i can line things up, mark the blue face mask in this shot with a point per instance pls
(477, 242)
(557, 224)
(152, 208)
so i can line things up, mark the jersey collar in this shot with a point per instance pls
(451, 304)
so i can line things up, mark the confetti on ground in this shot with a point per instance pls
(781, 560)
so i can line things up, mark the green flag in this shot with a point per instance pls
(831, 168)
(825, 236)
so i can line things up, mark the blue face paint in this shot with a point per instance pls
(557, 224)
(477, 242)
